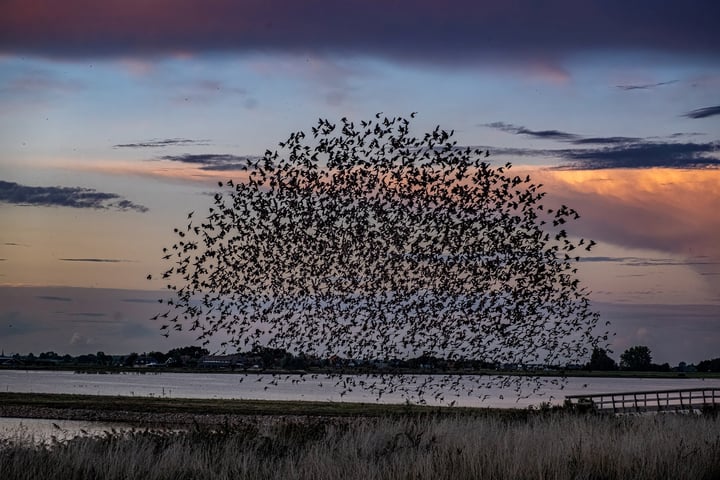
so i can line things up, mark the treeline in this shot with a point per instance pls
(639, 359)
(180, 357)
(257, 357)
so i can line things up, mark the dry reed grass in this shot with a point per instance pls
(542, 446)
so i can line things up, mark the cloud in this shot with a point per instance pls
(519, 130)
(78, 339)
(560, 135)
(703, 112)
(54, 298)
(460, 31)
(139, 300)
(663, 209)
(76, 197)
(615, 151)
(644, 155)
(645, 86)
(168, 142)
(98, 260)
(605, 140)
(86, 314)
(214, 161)
(604, 259)
(649, 262)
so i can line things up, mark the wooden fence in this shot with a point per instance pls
(687, 399)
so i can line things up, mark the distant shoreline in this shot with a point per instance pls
(322, 371)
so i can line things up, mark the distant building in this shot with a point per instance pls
(8, 361)
(222, 361)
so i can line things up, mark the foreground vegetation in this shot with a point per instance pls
(553, 445)
(105, 407)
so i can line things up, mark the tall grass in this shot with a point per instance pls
(542, 446)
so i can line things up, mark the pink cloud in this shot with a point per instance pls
(670, 210)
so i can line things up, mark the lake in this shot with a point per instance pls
(257, 386)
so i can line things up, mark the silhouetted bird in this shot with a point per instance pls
(375, 244)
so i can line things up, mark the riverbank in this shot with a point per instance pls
(148, 411)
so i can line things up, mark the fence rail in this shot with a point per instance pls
(687, 399)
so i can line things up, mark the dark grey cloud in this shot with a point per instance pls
(76, 197)
(558, 135)
(139, 300)
(703, 112)
(214, 161)
(86, 314)
(651, 262)
(644, 155)
(605, 140)
(460, 31)
(657, 262)
(54, 298)
(615, 151)
(520, 130)
(604, 259)
(645, 86)
(101, 323)
(168, 142)
(98, 260)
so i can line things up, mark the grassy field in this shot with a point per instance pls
(107, 407)
(542, 445)
(306, 440)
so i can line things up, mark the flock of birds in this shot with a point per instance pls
(366, 242)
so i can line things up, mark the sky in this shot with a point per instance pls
(117, 118)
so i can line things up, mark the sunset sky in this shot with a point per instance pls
(118, 117)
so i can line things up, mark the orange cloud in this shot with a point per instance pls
(671, 210)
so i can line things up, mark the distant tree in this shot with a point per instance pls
(709, 365)
(189, 351)
(87, 359)
(157, 357)
(103, 359)
(271, 357)
(636, 358)
(370, 243)
(131, 359)
(662, 367)
(599, 360)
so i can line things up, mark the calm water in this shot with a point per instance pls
(257, 386)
